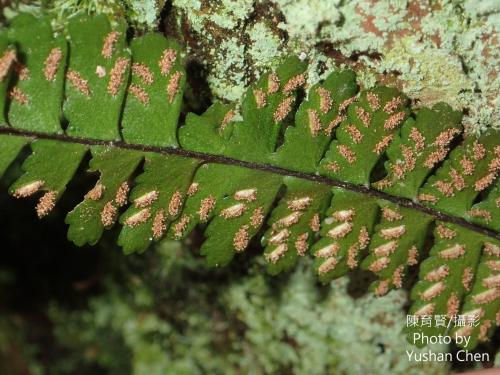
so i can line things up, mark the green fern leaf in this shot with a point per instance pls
(100, 207)
(303, 176)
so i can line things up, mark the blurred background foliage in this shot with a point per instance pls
(92, 310)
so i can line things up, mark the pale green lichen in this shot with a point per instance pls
(265, 47)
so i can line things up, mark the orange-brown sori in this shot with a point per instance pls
(46, 203)
(247, 195)
(325, 100)
(467, 277)
(379, 264)
(344, 215)
(193, 189)
(341, 230)
(146, 199)
(488, 296)
(385, 183)
(139, 93)
(453, 252)
(273, 83)
(383, 144)
(494, 165)
(478, 151)
(491, 281)
(301, 244)
(346, 103)
(373, 100)
(294, 83)
(78, 82)
(464, 331)
(433, 291)
(167, 60)
(315, 222)
(277, 253)
(445, 232)
(29, 189)
(173, 86)
(279, 237)
(6, 62)
(108, 214)
(382, 288)
(260, 98)
(109, 43)
(467, 166)
(333, 166)
(175, 204)
(393, 232)
(445, 137)
(22, 71)
(51, 64)
(328, 251)
(493, 265)
(363, 238)
(327, 266)
(241, 239)
(392, 105)
(391, 215)
(438, 273)
(289, 220)
(355, 134)
(121, 196)
(96, 192)
(483, 330)
(412, 256)
(409, 157)
(138, 218)
(386, 249)
(283, 109)
(181, 226)
(427, 198)
(334, 123)
(227, 119)
(352, 256)
(299, 204)
(18, 96)
(435, 157)
(233, 211)
(394, 120)
(346, 153)
(418, 139)
(426, 309)
(485, 181)
(476, 212)
(314, 122)
(458, 180)
(159, 227)
(446, 188)
(492, 249)
(143, 72)
(452, 305)
(117, 74)
(257, 217)
(364, 116)
(206, 206)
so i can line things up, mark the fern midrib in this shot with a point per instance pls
(219, 159)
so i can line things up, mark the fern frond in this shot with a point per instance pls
(306, 176)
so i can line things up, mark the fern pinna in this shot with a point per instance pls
(354, 179)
